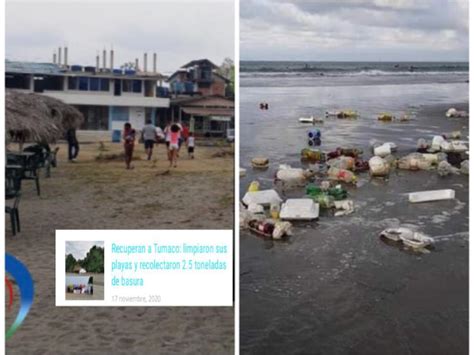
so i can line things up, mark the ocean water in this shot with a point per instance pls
(265, 73)
(335, 287)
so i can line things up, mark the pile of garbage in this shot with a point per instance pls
(342, 114)
(452, 112)
(260, 163)
(328, 175)
(414, 240)
(390, 117)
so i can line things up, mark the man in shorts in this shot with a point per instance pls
(149, 137)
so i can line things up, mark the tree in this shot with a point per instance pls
(227, 70)
(94, 260)
(70, 263)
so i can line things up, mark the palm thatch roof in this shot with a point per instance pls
(39, 118)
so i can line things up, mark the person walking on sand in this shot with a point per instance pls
(128, 144)
(149, 135)
(174, 144)
(190, 144)
(72, 144)
(167, 132)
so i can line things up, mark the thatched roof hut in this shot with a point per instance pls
(39, 118)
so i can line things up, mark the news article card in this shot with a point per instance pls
(144, 267)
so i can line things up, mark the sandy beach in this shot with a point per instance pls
(101, 194)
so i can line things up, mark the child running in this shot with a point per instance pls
(175, 135)
(190, 144)
(128, 144)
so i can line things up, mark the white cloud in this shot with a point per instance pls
(79, 249)
(354, 30)
(178, 31)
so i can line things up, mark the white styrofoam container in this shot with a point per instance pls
(263, 197)
(434, 195)
(383, 150)
(299, 208)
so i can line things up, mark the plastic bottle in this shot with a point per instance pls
(313, 190)
(254, 186)
(342, 175)
(338, 193)
(325, 201)
(314, 133)
(275, 211)
(313, 155)
(314, 142)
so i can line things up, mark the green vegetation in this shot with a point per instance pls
(93, 262)
(70, 263)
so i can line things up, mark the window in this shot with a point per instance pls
(119, 113)
(95, 117)
(14, 81)
(83, 83)
(94, 84)
(137, 86)
(72, 83)
(104, 85)
(149, 114)
(126, 86)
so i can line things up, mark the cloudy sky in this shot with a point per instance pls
(354, 30)
(178, 31)
(79, 249)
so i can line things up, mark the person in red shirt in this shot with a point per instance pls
(128, 144)
(185, 133)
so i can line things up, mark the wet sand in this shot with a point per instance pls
(103, 195)
(335, 287)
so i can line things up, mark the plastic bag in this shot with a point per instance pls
(465, 167)
(281, 229)
(293, 176)
(409, 238)
(343, 207)
(444, 169)
(342, 162)
(414, 161)
(436, 143)
(378, 167)
(342, 175)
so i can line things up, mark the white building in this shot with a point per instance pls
(107, 97)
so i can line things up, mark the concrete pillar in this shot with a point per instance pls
(111, 60)
(32, 82)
